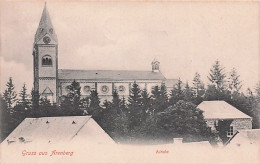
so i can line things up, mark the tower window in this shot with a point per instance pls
(46, 60)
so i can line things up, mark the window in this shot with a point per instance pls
(104, 89)
(230, 132)
(46, 60)
(121, 89)
(87, 89)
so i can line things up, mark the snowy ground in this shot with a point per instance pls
(115, 153)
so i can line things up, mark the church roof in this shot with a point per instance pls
(220, 110)
(114, 75)
(45, 26)
(53, 130)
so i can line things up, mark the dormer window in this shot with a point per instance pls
(47, 60)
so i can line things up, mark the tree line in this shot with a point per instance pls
(142, 117)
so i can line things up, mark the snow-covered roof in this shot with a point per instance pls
(109, 75)
(58, 129)
(220, 110)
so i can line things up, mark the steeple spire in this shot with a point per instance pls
(45, 26)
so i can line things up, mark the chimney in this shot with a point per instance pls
(177, 141)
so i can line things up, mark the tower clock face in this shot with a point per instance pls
(46, 40)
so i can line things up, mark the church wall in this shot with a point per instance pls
(104, 89)
(48, 83)
(122, 88)
(47, 71)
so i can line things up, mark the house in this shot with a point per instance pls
(245, 137)
(52, 82)
(214, 111)
(55, 130)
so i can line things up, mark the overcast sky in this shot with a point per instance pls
(185, 37)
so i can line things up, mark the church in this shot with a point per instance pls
(52, 82)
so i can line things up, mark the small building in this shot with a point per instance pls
(214, 111)
(54, 130)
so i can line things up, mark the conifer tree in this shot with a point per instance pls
(23, 101)
(176, 93)
(234, 83)
(134, 98)
(145, 102)
(116, 102)
(134, 106)
(35, 97)
(72, 102)
(9, 95)
(217, 76)
(198, 88)
(123, 106)
(188, 93)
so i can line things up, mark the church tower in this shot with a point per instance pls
(45, 58)
(155, 65)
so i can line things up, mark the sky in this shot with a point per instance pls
(186, 37)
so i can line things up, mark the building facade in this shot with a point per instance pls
(215, 111)
(53, 83)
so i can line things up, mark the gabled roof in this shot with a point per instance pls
(49, 130)
(47, 91)
(115, 75)
(249, 136)
(220, 110)
(45, 26)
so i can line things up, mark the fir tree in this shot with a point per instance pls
(72, 102)
(198, 88)
(35, 99)
(123, 106)
(217, 76)
(23, 101)
(116, 102)
(134, 104)
(134, 98)
(188, 93)
(146, 102)
(176, 93)
(159, 98)
(234, 83)
(9, 95)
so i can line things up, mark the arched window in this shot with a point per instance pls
(46, 60)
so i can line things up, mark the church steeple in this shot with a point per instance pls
(45, 27)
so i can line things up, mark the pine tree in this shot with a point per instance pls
(123, 104)
(146, 102)
(72, 102)
(35, 99)
(234, 82)
(176, 93)
(9, 95)
(23, 101)
(159, 98)
(134, 106)
(94, 106)
(134, 98)
(116, 102)
(198, 88)
(217, 76)
(164, 97)
(188, 93)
